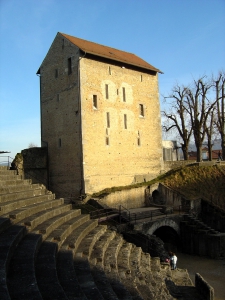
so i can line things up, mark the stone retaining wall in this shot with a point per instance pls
(130, 198)
(203, 287)
(35, 164)
(199, 239)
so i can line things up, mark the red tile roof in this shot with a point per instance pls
(110, 53)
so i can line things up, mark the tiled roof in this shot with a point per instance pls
(110, 53)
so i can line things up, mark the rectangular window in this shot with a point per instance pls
(69, 65)
(95, 103)
(60, 143)
(124, 94)
(56, 73)
(141, 78)
(139, 141)
(107, 91)
(141, 110)
(108, 119)
(110, 73)
(125, 121)
(107, 140)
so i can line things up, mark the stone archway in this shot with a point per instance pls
(165, 222)
(168, 231)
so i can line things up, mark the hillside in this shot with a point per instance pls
(193, 182)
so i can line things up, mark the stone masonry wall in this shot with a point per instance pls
(115, 153)
(60, 118)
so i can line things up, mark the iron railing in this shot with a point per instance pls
(5, 160)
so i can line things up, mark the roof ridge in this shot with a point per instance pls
(110, 53)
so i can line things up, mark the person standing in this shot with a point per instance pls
(173, 262)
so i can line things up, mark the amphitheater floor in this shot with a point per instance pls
(213, 271)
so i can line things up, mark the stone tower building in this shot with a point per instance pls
(100, 117)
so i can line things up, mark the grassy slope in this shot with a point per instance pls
(193, 182)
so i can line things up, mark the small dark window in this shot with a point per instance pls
(124, 94)
(107, 91)
(141, 110)
(139, 141)
(60, 143)
(110, 73)
(125, 121)
(69, 65)
(141, 78)
(95, 102)
(108, 119)
(56, 73)
(107, 140)
(117, 92)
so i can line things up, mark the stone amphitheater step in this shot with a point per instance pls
(6, 207)
(7, 172)
(21, 278)
(49, 251)
(10, 183)
(19, 188)
(10, 177)
(87, 244)
(8, 243)
(64, 260)
(65, 268)
(67, 275)
(23, 194)
(124, 270)
(111, 270)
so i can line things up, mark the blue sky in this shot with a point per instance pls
(183, 38)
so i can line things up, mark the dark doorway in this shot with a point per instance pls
(170, 238)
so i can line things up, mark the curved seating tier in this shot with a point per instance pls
(50, 251)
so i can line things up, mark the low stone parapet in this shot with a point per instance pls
(203, 287)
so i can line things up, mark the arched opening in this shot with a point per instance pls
(170, 238)
(156, 196)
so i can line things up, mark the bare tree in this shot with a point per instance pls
(199, 108)
(220, 98)
(177, 117)
(210, 130)
(32, 145)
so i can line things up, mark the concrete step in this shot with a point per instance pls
(9, 183)
(12, 205)
(21, 279)
(97, 255)
(67, 275)
(46, 272)
(52, 228)
(8, 172)
(56, 208)
(10, 177)
(85, 278)
(8, 242)
(86, 245)
(111, 269)
(19, 188)
(23, 194)
(61, 233)
(73, 240)
(5, 183)
(124, 270)
(19, 214)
